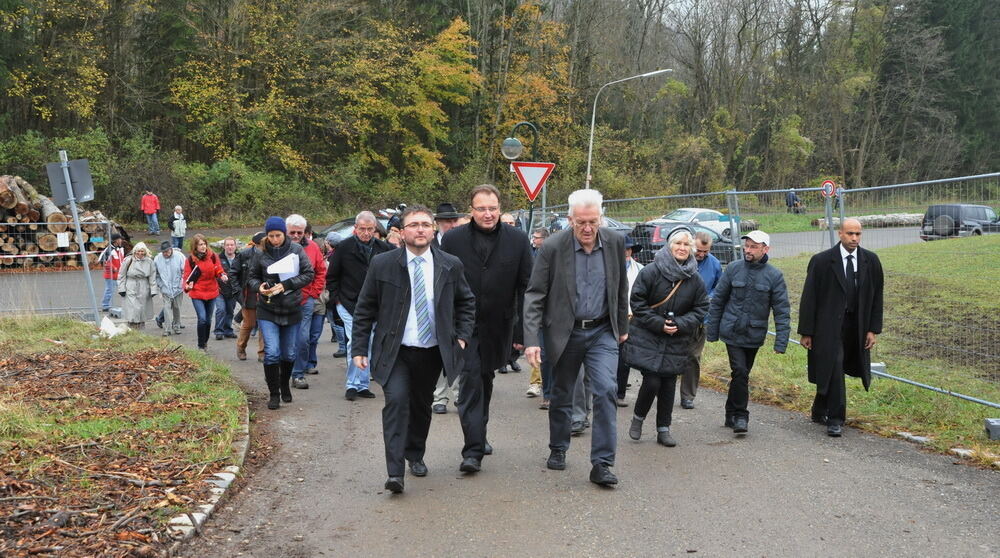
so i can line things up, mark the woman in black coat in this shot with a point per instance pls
(279, 307)
(661, 346)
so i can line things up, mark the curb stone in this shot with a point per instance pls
(183, 527)
(961, 452)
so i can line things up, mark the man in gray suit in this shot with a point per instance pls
(425, 311)
(579, 292)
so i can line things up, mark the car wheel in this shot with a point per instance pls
(944, 225)
(726, 233)
(977, 232)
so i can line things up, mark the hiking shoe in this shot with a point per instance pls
(300, 383)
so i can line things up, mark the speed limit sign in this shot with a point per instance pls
(829, 188)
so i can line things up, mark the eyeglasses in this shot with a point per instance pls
(418, 225)
(493, 209)
(296, 233)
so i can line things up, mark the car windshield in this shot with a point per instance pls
(679, 215)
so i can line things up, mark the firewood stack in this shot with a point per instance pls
(30, 225)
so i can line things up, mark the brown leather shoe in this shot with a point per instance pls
(242, 355)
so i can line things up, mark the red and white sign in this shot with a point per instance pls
(532, 176)
(829, 188)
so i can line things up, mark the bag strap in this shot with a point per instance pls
(672, 291)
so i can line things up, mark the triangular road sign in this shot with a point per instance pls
(532, 176)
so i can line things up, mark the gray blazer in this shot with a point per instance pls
(549, 301)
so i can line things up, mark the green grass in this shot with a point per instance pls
(205, 400)
(786, 222)
(934, 292)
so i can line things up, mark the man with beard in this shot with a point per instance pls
(747, 293)
(497, 262)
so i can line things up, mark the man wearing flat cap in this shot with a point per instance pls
(748, 292)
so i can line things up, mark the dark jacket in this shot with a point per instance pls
(498, 283)
(821, 312)
(241, 275)
(385, 300)
(549, 302)
(743, 298)
(348, 268)
(648, 348)
(231, 288)
(285, 308)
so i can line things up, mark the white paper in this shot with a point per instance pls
(62, 240)
(285, 268)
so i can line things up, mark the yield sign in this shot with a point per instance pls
(532, 176)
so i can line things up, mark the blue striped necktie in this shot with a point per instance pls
(420, 301)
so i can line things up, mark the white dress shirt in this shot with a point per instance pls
(411, 333)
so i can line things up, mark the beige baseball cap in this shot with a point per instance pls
(760, 237)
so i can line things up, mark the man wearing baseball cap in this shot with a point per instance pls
(748, 292)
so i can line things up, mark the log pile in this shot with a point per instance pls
(31, 225)
(878, 221)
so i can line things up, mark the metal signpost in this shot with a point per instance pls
(62, 189)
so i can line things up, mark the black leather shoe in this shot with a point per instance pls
(602, 475)
(470, 465)
(351, 394)
(503, 370)
(834, 430)
(440, 409)
(687, 403)
(339, 354)
(557, 460)
(729, 421)
(514, 366)
(418, 468)
(577, 428)
(366, 393)
(394, 484)
(740, 425)
(487, 449)
(218, 337)
(818, 419)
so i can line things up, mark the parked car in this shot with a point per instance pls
(958, 220)
(710, 218)
(651, 235)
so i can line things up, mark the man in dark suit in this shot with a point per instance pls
(840, 315)
(579, 292)
(497, 262)
(344, 277)
(425, 311)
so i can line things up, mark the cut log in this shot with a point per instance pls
(29, 248)
(21, 205)
(93, 222)
(10, 248)
(48, 242)
(7, 198)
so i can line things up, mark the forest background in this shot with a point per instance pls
(239, 109)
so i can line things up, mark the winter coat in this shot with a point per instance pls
(743, 298)
(230, 288)
(137, 286)
(348, 268)
(648, 348)
(318, 284)
(113, 261)
(285, 308)
(177, 225)
(244, 259)
(150, 204)
(206, 287)
(170, 274)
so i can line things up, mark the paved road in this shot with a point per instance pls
(784, 490)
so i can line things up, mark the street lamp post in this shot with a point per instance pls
(511, 148)
(593, 114)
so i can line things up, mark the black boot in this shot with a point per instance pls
(286, 376)
(272, 373)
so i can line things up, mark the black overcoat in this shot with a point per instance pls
(648, 348)
(821, 313)
(498, 283)
(385, 299)
(348, 268)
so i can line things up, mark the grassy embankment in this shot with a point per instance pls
(938, 295)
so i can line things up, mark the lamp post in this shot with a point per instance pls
(593, 115)
(511, 148)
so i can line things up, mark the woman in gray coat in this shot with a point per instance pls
(669, 302)
(137, 286)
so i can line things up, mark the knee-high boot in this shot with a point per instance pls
(286, 376)
(272, 375)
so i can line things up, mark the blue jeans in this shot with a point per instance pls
(153, 222)
(224, 307)
(109, 291)
(177, 242)
(302, 343)
(279, 341)
(338, 330)
(203, 309)
(356, 378)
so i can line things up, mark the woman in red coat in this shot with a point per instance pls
(201, 271)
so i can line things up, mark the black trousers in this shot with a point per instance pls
(475, 394)
(831, 399)
(406, 416)
(740, 362)
(661, 388)
(623, 372)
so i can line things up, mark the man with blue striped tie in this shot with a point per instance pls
(421, 301)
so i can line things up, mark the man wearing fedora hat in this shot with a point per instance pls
(446, 218)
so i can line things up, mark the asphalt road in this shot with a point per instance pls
(786, 489)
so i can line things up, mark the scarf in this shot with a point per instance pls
(669, 267)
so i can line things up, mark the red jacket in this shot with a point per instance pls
(113, 263)
(206, 287)
(150, 204)
(314, 289)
